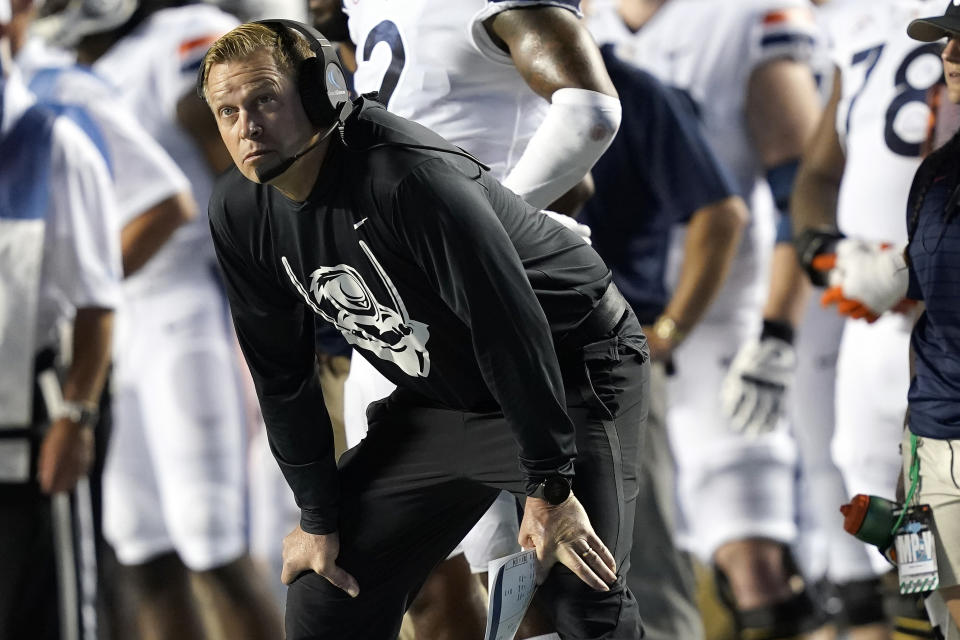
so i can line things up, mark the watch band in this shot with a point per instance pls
(665, 328)
(81, 413)
(553, 489)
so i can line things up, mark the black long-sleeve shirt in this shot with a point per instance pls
(448, 283)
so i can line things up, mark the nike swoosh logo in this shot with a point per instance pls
(357, 225)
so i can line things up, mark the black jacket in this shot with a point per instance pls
(448, 283)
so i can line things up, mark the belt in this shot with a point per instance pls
(603, 319)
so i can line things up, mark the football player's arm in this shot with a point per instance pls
(82, 240)
(558, 59)
(713, 235)
(866, 279)
(145, 234)
(67, 448)
(153, 193)
(677, 163)
(783, 109)
(814, 203)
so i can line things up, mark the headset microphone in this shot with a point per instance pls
(266, 174)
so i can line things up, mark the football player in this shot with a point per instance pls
(174, 498)
(748, 68)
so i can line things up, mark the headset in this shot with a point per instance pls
(323, 92)
(320, 82)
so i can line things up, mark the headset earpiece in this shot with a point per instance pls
(321, 81)
(312, 95)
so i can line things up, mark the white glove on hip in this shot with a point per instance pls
(581, 230)
(753, 393)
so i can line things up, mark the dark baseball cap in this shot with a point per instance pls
(937, 27)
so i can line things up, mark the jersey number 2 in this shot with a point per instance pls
(387, 31)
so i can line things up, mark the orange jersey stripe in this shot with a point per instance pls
(190, 45)
(793, 14)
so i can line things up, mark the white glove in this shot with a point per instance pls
(873, 274)
(752, 396)
(581, 230)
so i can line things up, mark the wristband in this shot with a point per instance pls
(779, 329)
(814, 242)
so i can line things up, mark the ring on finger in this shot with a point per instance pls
(586, 553)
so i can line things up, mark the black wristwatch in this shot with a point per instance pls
(553, 489)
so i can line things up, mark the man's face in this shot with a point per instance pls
(951, 68)
(258, 112)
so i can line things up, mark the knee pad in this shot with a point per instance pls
(781, 621)
(786, 620)
(828, 599)
(863, 602)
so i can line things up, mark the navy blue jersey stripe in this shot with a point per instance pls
(573, 4)
(787, 38)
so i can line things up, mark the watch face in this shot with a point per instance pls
(556, 489)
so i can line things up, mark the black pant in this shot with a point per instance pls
(422, 478)
(29, 604)
(30, 598)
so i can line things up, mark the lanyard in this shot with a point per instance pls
(914, 481)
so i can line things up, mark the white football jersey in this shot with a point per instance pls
(81, 242)
(59, 240)
(433, 62)
(882, 117)
(143, 173)
(709, 50)
(153, 67)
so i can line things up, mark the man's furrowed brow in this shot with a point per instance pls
(219, 97)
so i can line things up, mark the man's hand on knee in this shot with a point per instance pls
(563, 533)
(304, 551)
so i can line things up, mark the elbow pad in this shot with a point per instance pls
(579, 126)
(781, 179)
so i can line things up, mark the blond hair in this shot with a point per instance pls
(288, 48)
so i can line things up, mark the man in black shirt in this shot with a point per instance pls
(500, 327)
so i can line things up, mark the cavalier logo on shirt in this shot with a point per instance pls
(340, 296)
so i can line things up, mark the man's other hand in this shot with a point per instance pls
(563, 533)
(65, 456)
(304, 551)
